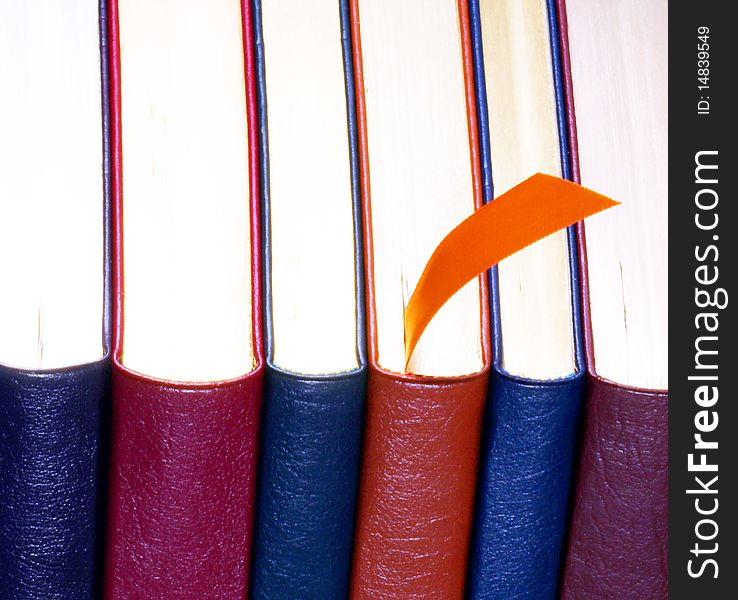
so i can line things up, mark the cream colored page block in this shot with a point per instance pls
(619, 69)
(420, 174)
(51, 187)
(313, 279)
(534, 284)
(186, 249)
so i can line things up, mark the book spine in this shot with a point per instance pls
(309, 464)
(530, 427)
(53, 450)
(618, 537)
(182, 482)
(421, 437)
(530, 431)
(620, 503)
(50, 494)
(417, 487)
(183, 458)
(311, 426)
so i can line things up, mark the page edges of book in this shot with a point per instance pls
(627, 287)
(187, 265)
(437, 139)
(534, 285)
(52, 214)
(312, 283)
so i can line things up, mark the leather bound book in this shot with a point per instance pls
(54, 268)
(315, 378)
(618, 537)
(420, 176)
(187, 358)
(537, 382)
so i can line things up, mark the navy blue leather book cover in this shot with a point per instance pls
(52, 453)
(50, 511)
(530, 426)
(311, 424)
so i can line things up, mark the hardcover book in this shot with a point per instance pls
(617, 123)
(187, 343)
(537, 379)
(54, 268)
(420, 175)
(315, 379)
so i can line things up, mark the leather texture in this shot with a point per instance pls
(182, 483)
(183, 459)
(530, 431)
(50, 512)
(308, 471)
(619, 533)
(417, 487)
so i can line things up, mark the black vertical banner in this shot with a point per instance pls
(703, 262)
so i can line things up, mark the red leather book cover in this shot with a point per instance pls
(618, 533)
(183, 456)
(421, 440)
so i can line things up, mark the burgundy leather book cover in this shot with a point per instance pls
(421, 441)
(618, 533)
(183, 462)
(618, 536)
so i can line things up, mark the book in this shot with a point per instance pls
(315, 378)
(420, 176)
(54, 334)
(618, 123)
(537, 380)
(187, 339)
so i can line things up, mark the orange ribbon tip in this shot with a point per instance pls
(537, 207)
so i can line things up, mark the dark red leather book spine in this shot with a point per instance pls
(183, 456)
(182, 482)
(618, 534)
(421, 439)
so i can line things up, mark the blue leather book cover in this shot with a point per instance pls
(311, 423)
(530, 426)
(53, 429)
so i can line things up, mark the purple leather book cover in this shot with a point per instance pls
(618, 533)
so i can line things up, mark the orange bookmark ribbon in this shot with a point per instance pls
(537, 207)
